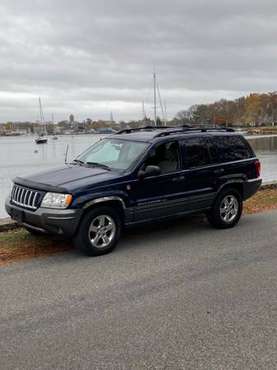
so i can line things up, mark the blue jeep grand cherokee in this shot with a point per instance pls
(137, 176)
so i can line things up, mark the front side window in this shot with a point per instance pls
(113, 153)
(196, 153)
(165, 156)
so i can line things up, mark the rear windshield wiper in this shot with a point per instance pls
(96, 164)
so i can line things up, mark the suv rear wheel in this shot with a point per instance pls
(99, 231)
(227, 209)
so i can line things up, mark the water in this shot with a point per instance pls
(21, 156)
(266, 150)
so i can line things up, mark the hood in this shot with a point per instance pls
(67, 178)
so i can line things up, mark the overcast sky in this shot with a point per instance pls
(90, 57)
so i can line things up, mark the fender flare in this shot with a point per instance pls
(229, 184)
(104, 200)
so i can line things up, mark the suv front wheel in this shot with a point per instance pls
(99, 231)
(227, 209)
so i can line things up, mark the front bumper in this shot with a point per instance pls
(53, 221)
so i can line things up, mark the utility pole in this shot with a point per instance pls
(155, 98)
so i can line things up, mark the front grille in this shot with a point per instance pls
(25, 197)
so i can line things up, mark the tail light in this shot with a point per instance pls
(258, 168)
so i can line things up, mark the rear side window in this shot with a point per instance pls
(229, 149)
(195, 152)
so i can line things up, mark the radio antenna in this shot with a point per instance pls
(66, 154)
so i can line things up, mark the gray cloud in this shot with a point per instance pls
(90, 57)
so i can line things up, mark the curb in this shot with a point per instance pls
(7, 224)
(269, 185)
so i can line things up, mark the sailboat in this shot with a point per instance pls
(41, 139)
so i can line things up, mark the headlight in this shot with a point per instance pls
(56, 200)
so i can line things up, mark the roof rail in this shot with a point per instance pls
(146, 128)
(173, 130)
(186, 130)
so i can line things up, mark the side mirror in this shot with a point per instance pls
(149, 171)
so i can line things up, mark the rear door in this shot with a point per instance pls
(199, 174)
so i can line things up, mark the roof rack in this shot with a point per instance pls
(173, 130)
(185, 130)
(146, 128)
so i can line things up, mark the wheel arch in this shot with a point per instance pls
(104, 200)
(237, 185)
(109, 201)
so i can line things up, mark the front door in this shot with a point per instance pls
(158, 196)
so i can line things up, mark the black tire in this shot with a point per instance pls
(216, 216)
(83, 237)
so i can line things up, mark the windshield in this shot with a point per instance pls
(112, 153)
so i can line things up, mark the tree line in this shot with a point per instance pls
(252, 110)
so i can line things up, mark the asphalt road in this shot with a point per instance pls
(178, 296)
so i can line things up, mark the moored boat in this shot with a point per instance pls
(41, 140)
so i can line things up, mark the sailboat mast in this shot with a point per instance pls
(161, 104)
(143, 111)
(155, 98)
(40, 112)
(165, 111)
(42, 122)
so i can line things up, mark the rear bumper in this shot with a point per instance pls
(61, 222)
(251, 187)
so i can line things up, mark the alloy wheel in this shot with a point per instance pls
(229, 208)
(102, 230)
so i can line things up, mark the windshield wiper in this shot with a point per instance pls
(78, 161)
(96, 164)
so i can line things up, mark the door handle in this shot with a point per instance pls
(179, 178)
(219, 171)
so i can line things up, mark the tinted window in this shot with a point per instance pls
(196, 153)
(165, 155)
(229, 148)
